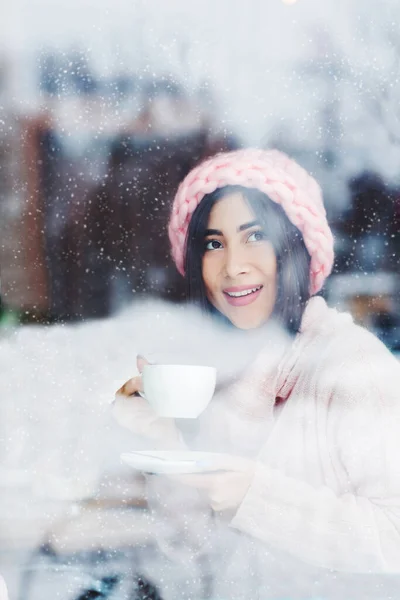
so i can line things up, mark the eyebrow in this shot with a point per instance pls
(213, 232)
(248, 225)
(241, 228)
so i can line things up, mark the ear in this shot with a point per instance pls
(141, 362)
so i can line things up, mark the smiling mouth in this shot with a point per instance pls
(242, 293)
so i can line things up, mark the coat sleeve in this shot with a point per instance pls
(358, 530)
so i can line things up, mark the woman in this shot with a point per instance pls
(317, 423)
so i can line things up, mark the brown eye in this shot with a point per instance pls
(213, 245)
(257, 236)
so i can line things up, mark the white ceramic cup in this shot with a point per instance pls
(178, 391)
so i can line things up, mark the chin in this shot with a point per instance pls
(249, 323)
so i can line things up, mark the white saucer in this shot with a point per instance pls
(171, 462)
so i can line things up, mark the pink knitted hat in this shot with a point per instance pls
(273, 173)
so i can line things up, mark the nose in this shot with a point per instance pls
(235, 262)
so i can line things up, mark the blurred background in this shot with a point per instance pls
(104, 107)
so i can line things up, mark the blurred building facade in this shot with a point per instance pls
(87, 184)
(88, 174)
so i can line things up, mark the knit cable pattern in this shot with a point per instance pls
(273, 173)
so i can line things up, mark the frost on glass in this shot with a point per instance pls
(102, 113)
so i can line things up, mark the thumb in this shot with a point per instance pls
(141, 362)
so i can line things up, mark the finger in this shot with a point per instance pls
(130, 387)
(141, 362)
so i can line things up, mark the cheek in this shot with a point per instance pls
(209, 273)
(267, 263)
(274, 269)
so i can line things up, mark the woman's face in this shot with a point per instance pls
(239, 265)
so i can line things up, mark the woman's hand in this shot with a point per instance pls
(225, 489)
(134, 412)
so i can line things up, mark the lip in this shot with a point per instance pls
(242, 300)
(241, 288)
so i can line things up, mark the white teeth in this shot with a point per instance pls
(244, 292)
